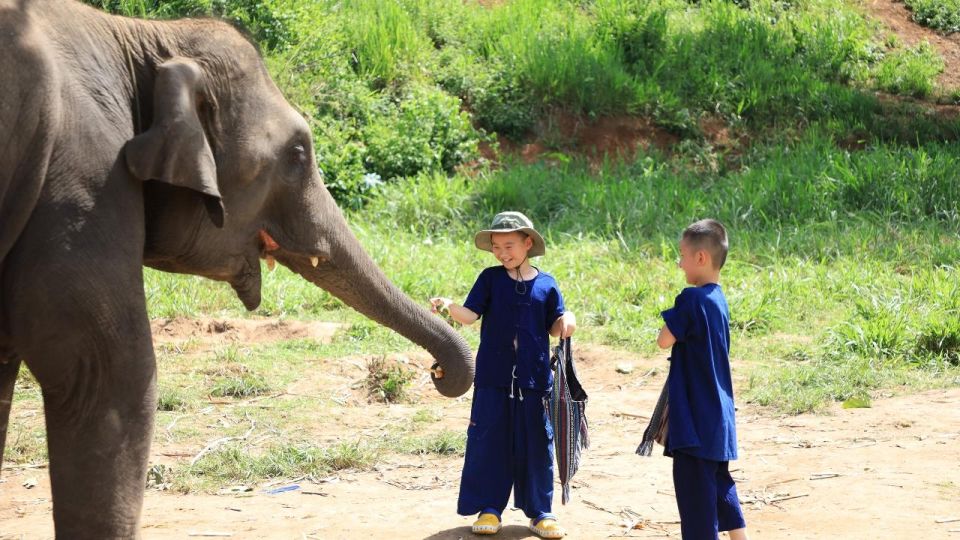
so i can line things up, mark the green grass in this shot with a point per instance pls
(237, 465)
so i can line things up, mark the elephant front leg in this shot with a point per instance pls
(99, 429)
(99, 445)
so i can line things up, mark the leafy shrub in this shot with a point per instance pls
(425, 131)
(943, 15)
(268, 21)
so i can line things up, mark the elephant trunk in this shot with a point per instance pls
(352, 276)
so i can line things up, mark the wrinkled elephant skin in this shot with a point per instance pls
(158, 143)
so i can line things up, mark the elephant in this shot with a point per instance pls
(132, 143)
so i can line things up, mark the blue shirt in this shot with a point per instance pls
(506, 314)
(701, 420)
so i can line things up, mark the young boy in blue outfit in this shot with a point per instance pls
(509, 438)
(701, 428)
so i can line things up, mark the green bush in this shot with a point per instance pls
(267, 21)
(425, 131)
(943, 15)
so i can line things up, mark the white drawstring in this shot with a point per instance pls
(513, 382)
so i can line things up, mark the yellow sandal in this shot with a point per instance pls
(486, 524)
(547, 528)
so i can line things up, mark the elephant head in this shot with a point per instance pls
(230, 177)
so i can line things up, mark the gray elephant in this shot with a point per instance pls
(130, 143)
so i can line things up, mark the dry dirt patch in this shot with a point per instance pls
(215, 331)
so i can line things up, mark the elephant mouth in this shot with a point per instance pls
(269, 247)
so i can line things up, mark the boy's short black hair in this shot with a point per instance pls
(709, 235)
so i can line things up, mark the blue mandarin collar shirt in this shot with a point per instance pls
(512, 311)
(701, 421)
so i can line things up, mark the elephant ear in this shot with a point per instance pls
(175, 149)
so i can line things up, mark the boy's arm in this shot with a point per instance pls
(457, 312)
(564, 326)
(665, 340)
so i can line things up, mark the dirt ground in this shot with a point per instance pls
(884, 472)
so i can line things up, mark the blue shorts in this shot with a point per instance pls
(706, 497)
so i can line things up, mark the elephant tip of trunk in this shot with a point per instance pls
(457, 378)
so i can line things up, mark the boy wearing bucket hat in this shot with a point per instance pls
(509, 438)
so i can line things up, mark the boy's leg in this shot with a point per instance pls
(695, 483)
(487, 473)
(533, 468)
(729, 514)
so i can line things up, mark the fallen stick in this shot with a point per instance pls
(947, 520)
(788, 497)
(218, 442)
(28, 466)
(631, 415)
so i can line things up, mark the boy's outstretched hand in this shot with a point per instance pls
(564, 326)
(439, 303)
(447, 309)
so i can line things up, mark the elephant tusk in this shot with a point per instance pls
(314, 261)
(271, 262)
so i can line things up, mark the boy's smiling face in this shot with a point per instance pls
(510, 248)
(694, 262)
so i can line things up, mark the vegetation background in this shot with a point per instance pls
(824, 144)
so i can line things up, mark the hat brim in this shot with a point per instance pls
(483, 241)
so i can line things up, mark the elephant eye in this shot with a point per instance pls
(299, 153)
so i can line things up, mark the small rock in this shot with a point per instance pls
(625, 368)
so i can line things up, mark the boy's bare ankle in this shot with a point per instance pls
(739, 534)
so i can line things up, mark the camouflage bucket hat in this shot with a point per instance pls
(505, 222)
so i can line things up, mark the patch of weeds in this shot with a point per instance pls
(235, 465)
(360, 331)
(910, 72)
(878, 330)
(386, 381)
(940, 338)
(26, 445)
(349, 455)
(423, 416)
(444, 443)
(810, 386)
(171, 400)
(239, 382)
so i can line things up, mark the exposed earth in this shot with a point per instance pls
(882, 472)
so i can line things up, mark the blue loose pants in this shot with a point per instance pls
(706, 497)
(509, 444)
